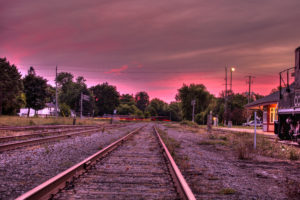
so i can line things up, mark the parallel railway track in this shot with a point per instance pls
(40, 127)
(40, 134)
(137, 166)
(35, 141)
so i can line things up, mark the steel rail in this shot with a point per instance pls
(47, 189)
(181, 185)
(41, 134)
(6, 147)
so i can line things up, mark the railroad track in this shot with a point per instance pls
(40, 127)
(35, 141)
(40, 134)
(137, 166)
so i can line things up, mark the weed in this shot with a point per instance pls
(211, 177)
(292, 189)
(171, 143)
(227, 191)
(223, 138)
(212, 136)
(47, 149)
(293, 155)
(66, 164)
(212, 142)
(189, 123)
(244, 150)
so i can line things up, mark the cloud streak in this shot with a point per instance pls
(117, 70)
(156, 40)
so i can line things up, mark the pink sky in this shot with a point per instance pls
(153, 46)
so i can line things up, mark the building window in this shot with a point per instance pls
(272, 115)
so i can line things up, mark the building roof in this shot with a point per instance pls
(272, 98)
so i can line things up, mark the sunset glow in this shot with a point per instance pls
(153, 46)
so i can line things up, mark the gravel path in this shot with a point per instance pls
(23, 169)
(214, 173)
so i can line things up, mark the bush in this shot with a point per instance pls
(188, 123)
(139, 113)
(200, 118)
(147, 114)
(293, 155)
(65, 110)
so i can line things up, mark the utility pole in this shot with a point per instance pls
(81, 105)
(249, 81)
(254, 143)
(56, 96)
(225, 120)
(193, 114)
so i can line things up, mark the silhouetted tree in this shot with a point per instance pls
(196, 92)
(107, 98)
(175, 111)
(127, 99)
(10, 87)
(70, 93)
(142, 100)
(158, 107)
(35, 88)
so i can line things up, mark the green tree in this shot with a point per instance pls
(236, 107)
(175, 111)
(50, 94)
(125, 109)
(70, 93)
(107, 98)
(127, 99)
(35, 88)
(64, 110)
(142, 100)
(196, 92)
(10, 87)
(158, 107)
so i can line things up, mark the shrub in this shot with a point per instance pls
(227, 191)
(65, 110)
(244, 149)
(188, 123)
(293, 155)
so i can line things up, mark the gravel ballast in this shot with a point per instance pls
(215, 172)
(24, 169)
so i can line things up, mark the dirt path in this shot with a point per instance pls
(215, 172)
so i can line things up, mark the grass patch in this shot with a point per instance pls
(227, 191)
(293, 155)
(31, 121)
(171, 143)
(189, 123)
(242, 144)
(213, 142)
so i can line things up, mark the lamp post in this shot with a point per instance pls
(232, 69)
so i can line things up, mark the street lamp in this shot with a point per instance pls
(232, 69)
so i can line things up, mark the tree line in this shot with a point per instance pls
(34, 92)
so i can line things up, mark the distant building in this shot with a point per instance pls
(49, 110)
